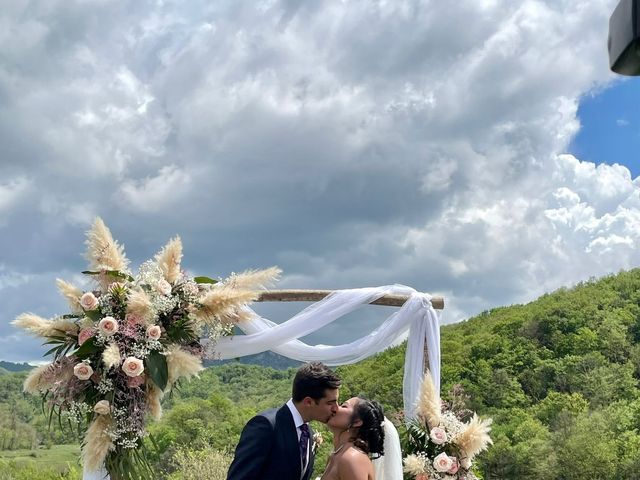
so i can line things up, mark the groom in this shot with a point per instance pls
(277, 444)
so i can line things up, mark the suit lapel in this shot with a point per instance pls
(290, 440)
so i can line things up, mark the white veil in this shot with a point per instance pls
(389, 466)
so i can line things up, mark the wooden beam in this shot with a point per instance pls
(316, 295)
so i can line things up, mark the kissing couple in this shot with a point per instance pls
(278, 444)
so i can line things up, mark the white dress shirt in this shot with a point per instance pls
(298, 421)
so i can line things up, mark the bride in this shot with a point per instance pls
(366, 444)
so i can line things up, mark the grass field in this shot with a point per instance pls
(58, 457)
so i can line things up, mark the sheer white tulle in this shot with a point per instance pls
(389, 466)
(417, 317)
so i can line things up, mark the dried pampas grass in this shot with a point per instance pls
(414, 465)
(222, 302)
(254, 279)
(97, 443)
(169, 259)
(35, 382)
(111, 356)
(475, 438)
(103, 252)
(154, 396)
(139, 304)
(182, 364)
(71, 293)
(429, 406)
(43, 327)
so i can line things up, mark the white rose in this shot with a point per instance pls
(88, 301)
(154, 332)
(83, 371)
(442, 463)
(163, 287)
(102, 407)
(108, 326)
(465, 463)
(133, 366)
(438, 435)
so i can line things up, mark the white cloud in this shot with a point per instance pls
(353, 143)
(153, 194)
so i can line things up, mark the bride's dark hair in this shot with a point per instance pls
(371, 432)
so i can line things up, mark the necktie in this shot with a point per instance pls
(304, 443)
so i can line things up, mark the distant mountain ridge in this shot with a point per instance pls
(264, 359)
(6, 367)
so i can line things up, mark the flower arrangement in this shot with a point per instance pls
(127, 342)
(439, 444)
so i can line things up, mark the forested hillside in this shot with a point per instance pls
(559, 376)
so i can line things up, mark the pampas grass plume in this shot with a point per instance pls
(182, 364)
(111, 356)
(35, 383)
(222, 302)
(475, 438)
(71, 293)
(169, 259)
(414, 465)
(154, 395)
(103, 252)
(429, 407)
(254, 279)
(139, 304)
(97, 443)
(45, 328)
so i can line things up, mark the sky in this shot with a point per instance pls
(480, 150)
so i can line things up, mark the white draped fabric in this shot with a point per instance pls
(417, 317)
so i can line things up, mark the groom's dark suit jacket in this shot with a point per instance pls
(269, 450)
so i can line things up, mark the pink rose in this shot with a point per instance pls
(465, 463)
(83, 371)
(422, 476)
(163, 287)
(438, 435)
(85, 334)
(108, 326)
(454, 466)
(88, 301)
(154, 332)
(442, 463)
(133, 382)
(132, 366)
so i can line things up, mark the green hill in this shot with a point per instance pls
(558, 375)
(14, 367)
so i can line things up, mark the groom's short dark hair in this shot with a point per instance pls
(312, 379)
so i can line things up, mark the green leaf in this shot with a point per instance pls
(204, 280)
(87, 349)
(112, 273)
(94, 315)
(156, 365)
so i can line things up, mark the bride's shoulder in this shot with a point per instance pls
(353, 462)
